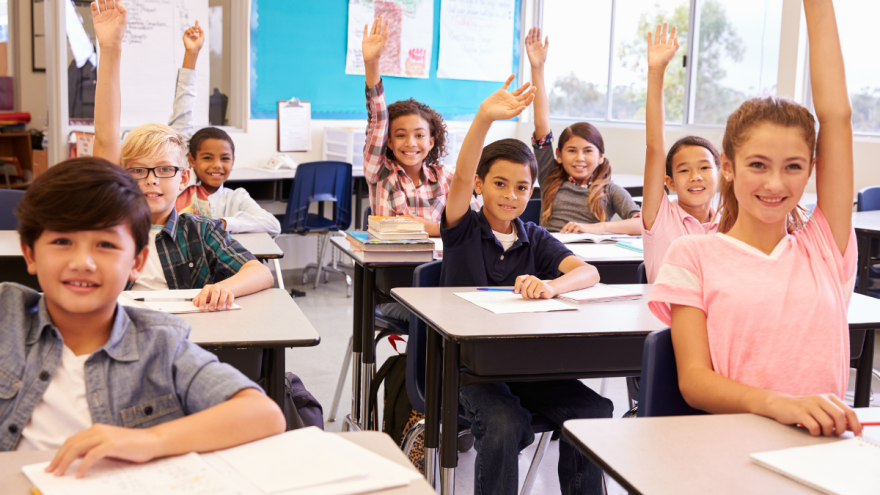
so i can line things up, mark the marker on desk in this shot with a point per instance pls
(163, 299)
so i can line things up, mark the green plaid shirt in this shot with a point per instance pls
(196, 251)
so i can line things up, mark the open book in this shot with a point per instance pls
(842, 467)
(594, 238)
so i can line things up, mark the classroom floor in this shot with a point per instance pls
(331, 313)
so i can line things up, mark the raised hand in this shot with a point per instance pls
(109, 19)
(194, 38)
(661, 47)
(503, 105)
(536, 51)
(374, 40)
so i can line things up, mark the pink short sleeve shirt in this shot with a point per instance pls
(777, 321)
(671, 223)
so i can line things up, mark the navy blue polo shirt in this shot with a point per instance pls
(472, 255)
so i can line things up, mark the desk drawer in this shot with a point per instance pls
(391, 277)
(553, 355)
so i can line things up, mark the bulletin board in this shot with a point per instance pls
(298, 50)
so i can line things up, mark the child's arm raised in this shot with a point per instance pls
(537, 53)
(834, 159)
(193, 39)
(500, 105)
(185, 93)
(377, 120)
(705, 389)
(661, 49)
(109, 21)
(372, 47)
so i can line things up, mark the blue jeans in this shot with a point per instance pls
(501, 415)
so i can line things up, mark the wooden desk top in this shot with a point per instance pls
(462, 320)
(868, 221)
(260, 244)
(269, 318)
(628, 180)
(14, 481)
(684, 455)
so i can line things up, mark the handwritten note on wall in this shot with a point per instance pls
(476, 39)
(410, 36)
(152, 52)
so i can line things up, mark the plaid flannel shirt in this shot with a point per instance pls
(392, 192)
(196, 251)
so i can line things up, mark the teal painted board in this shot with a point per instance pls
(298, 49)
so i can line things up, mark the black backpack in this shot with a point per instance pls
(399, 414)
(301, 409)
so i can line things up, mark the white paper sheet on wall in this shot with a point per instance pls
(153, 51)
(294, 125)
(476, 39)
(410, 36)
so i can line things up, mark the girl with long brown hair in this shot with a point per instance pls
(759, 310)
(577, 193)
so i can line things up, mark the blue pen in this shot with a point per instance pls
(494, 289)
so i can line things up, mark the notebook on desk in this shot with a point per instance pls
(844, 467)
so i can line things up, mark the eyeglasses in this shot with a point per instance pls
(140, 173)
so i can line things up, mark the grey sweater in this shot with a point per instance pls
(571, 201)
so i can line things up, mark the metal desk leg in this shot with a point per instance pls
(275, 378)
(432, 402)
(368, 348)
(863, 372)
(357, 344)
(864, 246)
(449, 440)
(278, 273)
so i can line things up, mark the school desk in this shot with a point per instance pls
(616, 265)
(14, 481)
(264, 248)
(268, 320)
(867, 227)
(684, 455)
(472, 345)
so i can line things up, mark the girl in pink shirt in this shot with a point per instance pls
(758, 312)
(690, 169)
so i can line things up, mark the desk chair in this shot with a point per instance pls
(386, 326)
(532, 213)
(428, 275)
(632, 382)
(319, 182)
(9, 200)
(869, 200)
(659, 394)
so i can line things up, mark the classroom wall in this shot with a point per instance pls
(31, 85)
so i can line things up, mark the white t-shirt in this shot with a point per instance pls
(506, 240)
(63, 411)
(152, 276)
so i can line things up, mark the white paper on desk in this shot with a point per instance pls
(595, 238)
(182, 475)
(167, 301)
(508, 302)
(294, 126)
(591, 251)
(180, 307)
(311, 462)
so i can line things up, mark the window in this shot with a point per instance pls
(736, 57)
(855, 22)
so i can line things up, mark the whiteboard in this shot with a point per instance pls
(152, 51)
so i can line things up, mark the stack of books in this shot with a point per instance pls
(392, 239)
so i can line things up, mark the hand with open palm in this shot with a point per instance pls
(109, 18)
(661, 47)
(374, 40)
(536, 51)
(503, 105)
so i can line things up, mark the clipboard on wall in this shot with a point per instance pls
(294, 125)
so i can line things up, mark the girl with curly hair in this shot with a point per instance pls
(576, 189)
(405, 142)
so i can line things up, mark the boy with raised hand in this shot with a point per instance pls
(88, 376)
(493, 247)
(211, 156)
(190, 251)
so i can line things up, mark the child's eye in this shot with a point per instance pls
(107, 245)
(499, 184)
(523, 188)
(756, 165)
(61, 241)
(795, 166)
(683, 171)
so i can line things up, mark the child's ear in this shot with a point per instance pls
(726, 167)
(478, 185)
(191, 158)
(137, 265)
(670, 184)
(30, 258)
(184, 178)
(558, 155)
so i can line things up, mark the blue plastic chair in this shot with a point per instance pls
(633, 382)
(428, 275)
(317, 182)
(532, 212)
(869, 200)
(9, 200)
(659, 394)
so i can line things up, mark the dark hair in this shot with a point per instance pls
(83, 194)
(557, 174)
(208, 133)
(691, 141)
(435, 122)
(752, 113)
(512, 150)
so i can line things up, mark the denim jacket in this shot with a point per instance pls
(147, 373)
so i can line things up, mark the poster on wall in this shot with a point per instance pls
(410, 36)
(476, 39)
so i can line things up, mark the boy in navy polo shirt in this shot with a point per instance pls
(493, 247)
